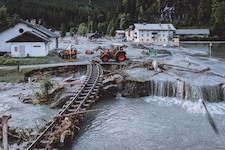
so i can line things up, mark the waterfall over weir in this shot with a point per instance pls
(177, 88)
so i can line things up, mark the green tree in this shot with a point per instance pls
(63, 30)
(124, 21)
(82, 29)
(101, 28)
(110, 28)
(219, 21)
(46, 85)
(204, 12)
(4, 17)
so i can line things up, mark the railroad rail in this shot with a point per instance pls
(64, 125)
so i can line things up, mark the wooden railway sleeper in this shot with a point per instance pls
(86, 105)
(83, 94)
(90, 84)
(78, 101)
(90, 100)
(87, 88)
(93, 97)
(75, 106)
(81, 97)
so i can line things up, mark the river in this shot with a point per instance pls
(154, 122)
(151, 123)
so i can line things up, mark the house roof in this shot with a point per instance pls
(37, 27)
(29, 37)
(192, 31)
(41, 29)
(154, 27)
(94, 35)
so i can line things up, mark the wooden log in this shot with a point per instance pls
(63, 136)
(5, 131)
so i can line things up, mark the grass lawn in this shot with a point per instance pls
(13, 75)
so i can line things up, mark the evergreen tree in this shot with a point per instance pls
(82, 29)
(63, 30)
(4, 17)
(219, 25)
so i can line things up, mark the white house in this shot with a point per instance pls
(22, 35)
(119, 34)
(152, 33)
(29, 44)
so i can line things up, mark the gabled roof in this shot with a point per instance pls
(94, 35)
(41, 29)
(155, 27)
(37, 27)
(192, 31)
(29, 37)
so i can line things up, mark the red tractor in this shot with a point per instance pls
(115, 52)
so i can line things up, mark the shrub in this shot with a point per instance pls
(10, 62)
(46, 85)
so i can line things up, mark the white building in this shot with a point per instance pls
(152, 33)
(24, 38)
(29, 44)
(119, 34)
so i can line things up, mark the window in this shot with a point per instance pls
(21, 30)
(15, 49)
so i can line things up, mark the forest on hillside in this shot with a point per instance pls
(106, 16)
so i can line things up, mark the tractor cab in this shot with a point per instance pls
(117, 47)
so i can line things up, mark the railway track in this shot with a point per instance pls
(62, 128)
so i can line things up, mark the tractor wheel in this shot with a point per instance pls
(121, 57)
(105, 58)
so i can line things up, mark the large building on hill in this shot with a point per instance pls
(24, 38)
(163, 34)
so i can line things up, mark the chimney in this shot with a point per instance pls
(33, 21)
(39, 21)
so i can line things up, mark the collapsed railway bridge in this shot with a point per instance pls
(62, 128)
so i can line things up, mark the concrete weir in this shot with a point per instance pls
(179, 89)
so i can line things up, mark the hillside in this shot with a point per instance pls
(105, 16)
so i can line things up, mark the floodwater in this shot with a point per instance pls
(151, 123)
(23, 115)
(217, 49)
